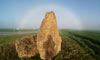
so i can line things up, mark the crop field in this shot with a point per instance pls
(76, 45)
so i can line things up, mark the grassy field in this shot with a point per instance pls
(76, 45)
(16, 30)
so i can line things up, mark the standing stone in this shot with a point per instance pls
(48, 38)
(47, 42)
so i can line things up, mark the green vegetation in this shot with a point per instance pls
(88, 40)
(16, 30)
(7, 49)
(6, 30)
(76, 45)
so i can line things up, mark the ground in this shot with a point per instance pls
(76, 45)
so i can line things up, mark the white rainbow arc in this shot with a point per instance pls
(65, 18)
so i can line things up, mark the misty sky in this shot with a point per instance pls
(71, 14)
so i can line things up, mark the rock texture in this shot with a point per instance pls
(26, 46)
(47, 42)
(48, 35)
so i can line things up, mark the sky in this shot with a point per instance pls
(70, 14)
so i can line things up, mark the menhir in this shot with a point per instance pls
(48, 35)
(47, 42)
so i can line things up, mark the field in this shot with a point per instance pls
(76, 45)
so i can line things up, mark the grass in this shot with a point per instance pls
(89, 43)
(16, 30)
(76, 45)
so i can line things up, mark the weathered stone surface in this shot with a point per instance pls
(26, 46)
(47, 42)
(49, 48)
(48, 36)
